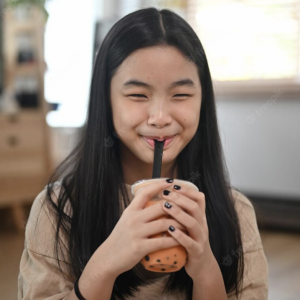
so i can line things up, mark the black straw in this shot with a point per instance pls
(158, 153)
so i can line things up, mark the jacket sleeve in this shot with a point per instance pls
(39, 275)
(256, 272)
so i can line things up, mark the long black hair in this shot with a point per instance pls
(92, 176)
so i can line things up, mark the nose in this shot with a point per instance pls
(159, 114)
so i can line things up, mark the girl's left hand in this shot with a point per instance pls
(188, 208)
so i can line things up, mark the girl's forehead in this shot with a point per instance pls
(156, 64)
(166, 54)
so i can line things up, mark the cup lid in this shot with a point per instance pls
(188, 183)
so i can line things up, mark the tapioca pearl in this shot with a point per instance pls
(151, 266)
(158, 260)
(163, 269)
(175, 262)
(147, 258)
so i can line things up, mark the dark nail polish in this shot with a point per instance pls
(168, 205)
(171, 228)
(169, 180)
(166, 192)
(177, 187)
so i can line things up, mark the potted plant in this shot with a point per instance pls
(39, 3)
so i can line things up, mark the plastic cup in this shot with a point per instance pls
(170, 259)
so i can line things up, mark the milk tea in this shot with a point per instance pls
(170, 259)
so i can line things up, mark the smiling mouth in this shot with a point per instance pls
(150, 142)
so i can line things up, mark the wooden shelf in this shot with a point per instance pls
(25, 163)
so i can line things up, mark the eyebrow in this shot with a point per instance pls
(182, 82)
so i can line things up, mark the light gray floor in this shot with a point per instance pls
(282, 251)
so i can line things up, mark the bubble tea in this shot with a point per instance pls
(170, 259)
(164, 260)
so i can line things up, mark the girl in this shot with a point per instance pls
(86, 233)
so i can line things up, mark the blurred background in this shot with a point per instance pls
(47, 50)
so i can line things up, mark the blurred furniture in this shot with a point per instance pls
(25, 163)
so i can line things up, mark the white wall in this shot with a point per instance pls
(261, 140)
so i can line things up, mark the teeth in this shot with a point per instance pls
(155, 139)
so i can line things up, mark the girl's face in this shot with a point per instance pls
(157, 106)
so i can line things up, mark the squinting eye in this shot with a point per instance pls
(182, 95)
(140, 95)
(137, 95)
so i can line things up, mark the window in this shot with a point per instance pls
(250, 42)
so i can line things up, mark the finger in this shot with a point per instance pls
(191, 193)
(147, 192)
(186, 220)
(179, 215)
(183, 239)
(186, 204)
(152, 211)
(160, 243)
(157, 227)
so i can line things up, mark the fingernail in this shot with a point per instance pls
(166, 192)
(169, 180)
(168, 205)
(177, 187)
(171, 228)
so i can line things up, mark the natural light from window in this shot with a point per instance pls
(250, 39)
(68, 54)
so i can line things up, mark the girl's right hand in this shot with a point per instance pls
(129, 241)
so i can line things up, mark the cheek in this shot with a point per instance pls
(127, 119)
(189, 116)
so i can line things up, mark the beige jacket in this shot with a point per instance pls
(39, 277)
